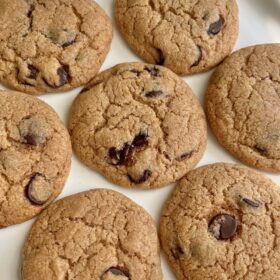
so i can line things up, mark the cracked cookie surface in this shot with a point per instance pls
(222, 222)
(99, 234)
(138, 124)
(186, 36)
(51, 45)
(243, 105)
(35, 157)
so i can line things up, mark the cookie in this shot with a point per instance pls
(35, 156)
(51, 45)
(186, 36)
(223, 222)
(243, 108)
(138, 124)
(98, 234)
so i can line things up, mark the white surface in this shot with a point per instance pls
(259, 22)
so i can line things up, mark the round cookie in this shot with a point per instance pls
(98, 234)
(186, 36)
(222, 222)
(51, 45)
(35, 157)
(243, 107)
(138, 124)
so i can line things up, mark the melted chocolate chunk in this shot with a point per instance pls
(140, 141)
(63, 73)
(261, 150)
(160, 58)
(38, 189)
(177, 252)
(114, 155)
(216, 27)
(33, 131)
(223, 226)
(33, 72)
(153, 93)
(251, 203)
(199, 57)
(64, 77)
(116, 271)
(185, 156)
(126, 155)
(154, 71)
(146, 175)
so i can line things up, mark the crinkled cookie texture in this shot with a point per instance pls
(187, 36)
(243, 105)
(51, 45)
(99, 234)
(35, 157)
(138, 124)
(222, 222)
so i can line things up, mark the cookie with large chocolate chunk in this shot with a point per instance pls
(51, 45)
(243, 107)
(186, 36)
(223, 222)
(35, 156)
(98, 234)
(138, 124)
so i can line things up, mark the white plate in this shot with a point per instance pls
(260, 23)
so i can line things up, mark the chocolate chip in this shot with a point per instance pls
(154, 71)
(140, 141)
(123, 156)
(185, 156)
(63, 73)
(153, 93)
(223, 226)
(177, 252)
(254, 204)
(216, 27)
(146, 175)
(126, 155)
(34, 131)
(114, 155)
(199, 57)
(33, 72)
(160, 57)
(38, 189)
(64, 77)
(116, 271)
(261, 150)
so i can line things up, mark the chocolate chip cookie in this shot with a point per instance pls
(223, 222)
(186, 36)
(99, 234)
(138, 124)
(35, 156)
(243, 105)
(51, 45)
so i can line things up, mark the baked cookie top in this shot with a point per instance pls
(243, 105)
(222, 222)
(186, 36)
(99, 234)
(35, 156)
(51, 45)
(138, 124)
